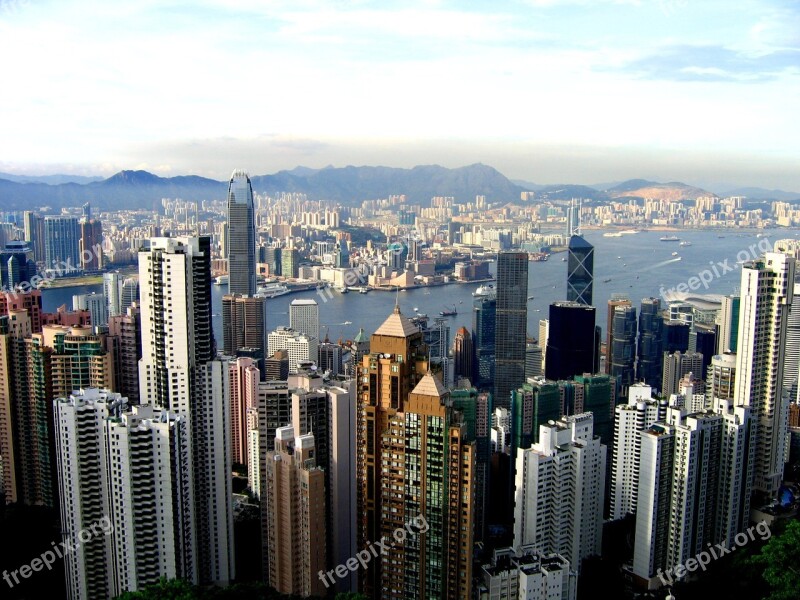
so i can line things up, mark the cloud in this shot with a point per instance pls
(714, 63)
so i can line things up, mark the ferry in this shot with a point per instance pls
(613, 234)
(221, 280)
(629, 231)
(272, 290)
(670, 238)
(483, 290)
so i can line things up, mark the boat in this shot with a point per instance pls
(347, 323)
(530, 297)
(563, 260)
(449, 313)
(670, 238)
(483, 290)
(416, 309)
(614, 234)
(674, 254)
(221, 280)
(342, 289)
(685, 243)
(628, 231)
(606, 280)
(363, 290)
(272, 290)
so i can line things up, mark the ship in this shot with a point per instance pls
(221, 280)
(483, 290)
(272, 290)
(670, 238)
(449, 313)
(342, 289)
(674, 254)
(538, 256)
(614, 234)
(685, 243)
(363, 290)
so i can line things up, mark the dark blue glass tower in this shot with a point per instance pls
(580, 270)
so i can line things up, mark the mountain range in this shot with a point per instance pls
(347, 185)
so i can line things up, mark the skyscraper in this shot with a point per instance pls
(34, 234)
(650, 360)
(178, 373)
(241, 239)
(484, 325)
(676, 365)
(463, 354)
(244, 319)
(571, 343)
(295, 497)
(304, 317)
(112, 290)
(512, 325)
(16, 265)
(124, 342)
(622, 352)
(616, 300)
(62, 244)
(767, 290)
(580, 270)
(91, 245)
(727, 325)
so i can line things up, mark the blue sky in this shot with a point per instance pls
(544, 90)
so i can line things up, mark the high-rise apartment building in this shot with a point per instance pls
(295, 496)
(560, 484)
(34, 234)
(96, 305)
(112, 290)
(91, 245)
(721, 382)
(244, 377)
(615, 301)
(621, 363)
(124, 342)
(241, 238)
(638, 414)
(527, 574)
(767, 289)
(511, 324)
(178, 373)
(580, 271)
(676, 366)
(727, 325)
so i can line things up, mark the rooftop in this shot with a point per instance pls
(396, 325)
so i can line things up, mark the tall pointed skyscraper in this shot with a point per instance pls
(512, 325)
(241, 240)
(580, 270)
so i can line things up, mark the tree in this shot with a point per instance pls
(778, 558)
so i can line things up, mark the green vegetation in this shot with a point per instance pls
(779, 561)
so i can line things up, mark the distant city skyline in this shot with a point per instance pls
(547, 91)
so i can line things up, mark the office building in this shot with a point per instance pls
(703, 339)
(622, 351)
(534, 404)
(580, 271)
(572, 342)
(767, 289)
(675, 336)
(91, 245)
(178, 373)
(616, 300)
(295, 496)
(304, 317)
(244, 378)
(62, 244)
(560, 484)
(34, 234)
(511, 324)
(463, 354)
(112, 290)
(17, 266)
(330, 358)
(299, 348)
(534, 358)
(241, 238)
(129, 294)
(244, 322)
(650, 360)
(484, 325)
(676, 366)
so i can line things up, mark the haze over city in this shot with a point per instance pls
(546, 91)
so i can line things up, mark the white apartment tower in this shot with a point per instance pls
(178, 373)
(639, 414)
(108, 486)
(560, 484)
(767, 290)
(304, 317)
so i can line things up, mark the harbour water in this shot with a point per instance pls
(639, 265)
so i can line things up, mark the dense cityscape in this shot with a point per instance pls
(412, 461)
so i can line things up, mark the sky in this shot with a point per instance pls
(546, 91)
